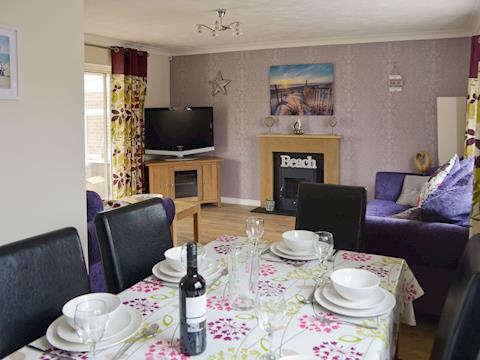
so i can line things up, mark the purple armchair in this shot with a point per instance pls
(431, 249)
(94, 206)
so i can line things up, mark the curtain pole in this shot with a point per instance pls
(114, 48)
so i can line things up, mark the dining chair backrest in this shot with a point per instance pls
(37, 276)
(338, 209)
(458, 332)
(132, 240)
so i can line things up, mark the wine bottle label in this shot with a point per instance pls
(196, 312)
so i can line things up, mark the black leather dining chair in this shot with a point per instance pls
(132, 239)
(37, 276)
(458, 332)
(338, 209)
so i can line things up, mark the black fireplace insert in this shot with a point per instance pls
(289, 170)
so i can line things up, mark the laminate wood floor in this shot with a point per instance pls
(415, 342)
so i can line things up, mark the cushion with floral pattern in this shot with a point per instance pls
(436, 180)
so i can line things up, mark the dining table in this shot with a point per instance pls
(308, 329)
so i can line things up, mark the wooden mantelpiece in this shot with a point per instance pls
(328, 145)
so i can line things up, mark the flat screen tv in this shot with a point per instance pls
(178, 132)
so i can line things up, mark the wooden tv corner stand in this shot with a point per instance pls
(192, 180)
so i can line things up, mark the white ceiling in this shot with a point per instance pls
(170, 24)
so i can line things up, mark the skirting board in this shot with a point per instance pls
(230, 200)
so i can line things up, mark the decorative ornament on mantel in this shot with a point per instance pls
(219, 84)
(298, 128)
(332, 122)
(423, 161)
(269, 121)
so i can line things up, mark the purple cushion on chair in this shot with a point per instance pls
(169, 206)
(464, 167)
(97, 281)
(448, 179)
(453, 202)
(94, 204)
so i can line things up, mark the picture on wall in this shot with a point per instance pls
(303, 89)
(8, 64)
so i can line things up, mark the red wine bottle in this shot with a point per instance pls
(193, 307)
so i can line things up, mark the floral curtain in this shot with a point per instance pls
(128, 87)
(472, 134)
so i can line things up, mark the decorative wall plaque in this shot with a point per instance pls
(219, 84)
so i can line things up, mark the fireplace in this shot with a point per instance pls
(301, 154)
(289, 169)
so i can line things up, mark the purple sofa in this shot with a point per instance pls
(431, 249)
(94, 206)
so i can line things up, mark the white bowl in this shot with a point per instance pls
(113, 303)
(300, 240)
(173, 257)
(354, 284)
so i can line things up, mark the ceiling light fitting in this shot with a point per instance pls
(218, 26)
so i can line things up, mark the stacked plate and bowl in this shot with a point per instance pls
(173, 268)
(355, 293)
(350, 292)
(123, 322)
(296, 245)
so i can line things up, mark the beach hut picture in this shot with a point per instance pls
(5, 78)
(8, 64)
(303, 89)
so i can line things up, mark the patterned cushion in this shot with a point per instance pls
(436, 180)
(414, 213)
(112, 204)
(127, 200)
(452, 203)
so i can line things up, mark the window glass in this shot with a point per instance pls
(97, 133)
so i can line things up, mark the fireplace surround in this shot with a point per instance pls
(300, 152)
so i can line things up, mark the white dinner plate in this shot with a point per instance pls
(210, 274)
(334, 297)
(207, 265)
(384, 307)
(283, 247)
(55, 340)
(274, 249)
(118, 322)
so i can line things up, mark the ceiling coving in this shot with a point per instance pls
(219, 27)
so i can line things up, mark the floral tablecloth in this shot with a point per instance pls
(236, 335)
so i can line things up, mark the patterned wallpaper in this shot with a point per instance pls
(381, 130)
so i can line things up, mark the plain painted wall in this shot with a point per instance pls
(451, 115)
(42, 174)
(158, 74)
(381, 130)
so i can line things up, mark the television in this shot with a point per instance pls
(178, 132)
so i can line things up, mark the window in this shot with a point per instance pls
(98, 133)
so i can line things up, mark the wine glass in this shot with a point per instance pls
(323, 247)
(271, 310)
(254, 227)
(90, 321)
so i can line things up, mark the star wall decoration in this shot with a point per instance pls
(219, 84)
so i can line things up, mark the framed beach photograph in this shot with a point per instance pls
(303, 89)
(8, 64)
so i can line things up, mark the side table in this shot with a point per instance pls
(184, 209)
